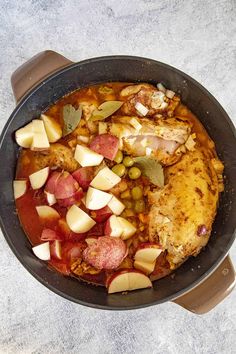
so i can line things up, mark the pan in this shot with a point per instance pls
(201, 282)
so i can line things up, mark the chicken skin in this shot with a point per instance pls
(182, 213)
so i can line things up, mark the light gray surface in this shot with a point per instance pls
(198, 37)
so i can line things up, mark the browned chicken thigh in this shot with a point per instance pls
(183, 211)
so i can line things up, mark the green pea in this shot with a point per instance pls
(128, 161)
(134, 173)
(119, 170)
(119, 157)
(139, 206)
(137, 193)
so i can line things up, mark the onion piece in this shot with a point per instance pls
(84, 139)
(161, 87)
(164, 105)
(141, 108)
(170, 94)
(135, 124)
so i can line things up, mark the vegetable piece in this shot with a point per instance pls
(135, 124)
(78, 221)
(75, 198)
(152, 169)
(116, 206)
(83, 176)
(24, 136)
(113, 227)
(52, 127)
(145, 267)
(106, 253)
(128, 229)
(47, 212)
(96, 199)
(119, 169)
(83, 138)
(105, 179)
(101, 215)
(102, 128)
(40, 138)
(105, 144)
(134, 173)
(137, 193)
(71, 118)
(128, 161)
(52, 182)
(50, 235)
(127, 280)
(55, 249)
(141, 109)
(42, 251)
(170, 94)
(161, 87)
(87, 157)
(19, 188)
(51, 199)
(105, 110)
(139, 206)
(33, 135)
(66, 186)
(148, 252)
(119, 157)
(39, 178)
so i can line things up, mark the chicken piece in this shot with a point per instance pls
(79, 267)
(88, 108)
(182, 213)
(148, 95)
(59, 156)
(161, 138)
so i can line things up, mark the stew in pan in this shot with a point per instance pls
(117, 184)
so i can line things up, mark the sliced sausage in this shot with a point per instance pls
(106, 253)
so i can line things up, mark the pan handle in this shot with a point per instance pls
(211, 291)
(35, 70)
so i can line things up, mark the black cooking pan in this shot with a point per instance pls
(201, 282)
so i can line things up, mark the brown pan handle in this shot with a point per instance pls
(35, 70)
(211, 291)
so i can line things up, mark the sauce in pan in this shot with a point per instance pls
(119, 184)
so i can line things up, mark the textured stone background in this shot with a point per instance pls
(198, 37)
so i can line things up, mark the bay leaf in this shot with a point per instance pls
(151, 168)
(71, 118)
(105, 110)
